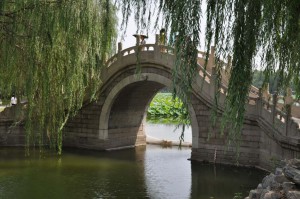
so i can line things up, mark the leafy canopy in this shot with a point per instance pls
(51, 53)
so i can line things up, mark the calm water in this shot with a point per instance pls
(143, 172)
(168, 132)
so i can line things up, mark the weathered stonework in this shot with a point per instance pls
(11, 133)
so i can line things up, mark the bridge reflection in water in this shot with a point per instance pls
(141, 172)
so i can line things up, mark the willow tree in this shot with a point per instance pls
(51, 54)
(264, 33)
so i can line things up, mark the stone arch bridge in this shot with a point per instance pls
(116, 120)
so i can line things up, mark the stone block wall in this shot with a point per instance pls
(82, 131)
(213, 147)
(11, 133)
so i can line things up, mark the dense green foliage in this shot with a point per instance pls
(165, 109)
(51, 54)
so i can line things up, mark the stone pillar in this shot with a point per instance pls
(156, 47)
(138, 38)
(266, 93)
(156, 39)
(288, 103)
(288, 99)
(228, 66)
(120, 47)
(213, 82)
(211, 58)
(274, 103)
(259, 102)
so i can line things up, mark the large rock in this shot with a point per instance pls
(280, 179)
(254, 194)
(278, 171)
(269, 182)
(292, 173)
(294, 163)
(271, 195)
(288, 186)
(293, 195)
(283, 185)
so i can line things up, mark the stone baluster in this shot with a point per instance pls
(156, 39)
(259, 102)
(157, 47)
(288, 102)
(288, 99)
(213, 82)
(137, 45)
(266, 93)
(211, 67)
(137, 40)
(228, 66)
(120, 48)
(274, 103)
(211, 58)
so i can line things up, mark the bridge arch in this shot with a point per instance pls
(130, 97)
(103, 124)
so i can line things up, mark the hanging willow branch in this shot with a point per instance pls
(51, 54)
(248, 29)
(244, 29)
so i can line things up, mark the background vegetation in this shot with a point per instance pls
(168, 110)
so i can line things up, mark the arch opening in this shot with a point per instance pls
(166, 122)
(123, 114)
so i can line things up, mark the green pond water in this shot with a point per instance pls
(142, 172)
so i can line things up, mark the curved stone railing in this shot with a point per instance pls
(207, 72)
(279, 119)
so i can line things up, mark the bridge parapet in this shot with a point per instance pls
(207, 74)
(279, 118)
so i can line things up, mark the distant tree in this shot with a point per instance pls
(258, 78)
